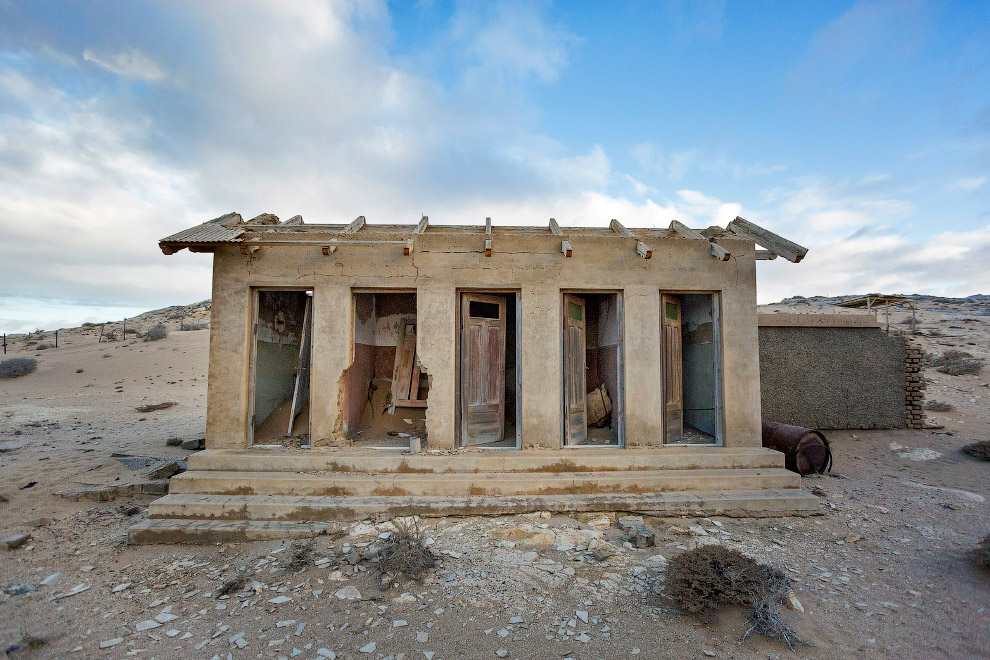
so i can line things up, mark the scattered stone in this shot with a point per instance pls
(350, 592)
(163, 469)
(173, 442)
(422, 637)
(400, 623)
(194, 444)
(369, 648)
(111, 642)
(19, 589)
(10, 446)
(278, 600)
(502, 652)
(326, 653)
(147, 624)
(583, 615)
(121, 587)
(51, 579)
(16, 541)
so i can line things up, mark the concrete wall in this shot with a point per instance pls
(830, 373)
(444, 262)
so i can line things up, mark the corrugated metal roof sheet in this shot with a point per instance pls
(208, 232)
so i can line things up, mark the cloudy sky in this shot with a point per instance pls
(860, 129)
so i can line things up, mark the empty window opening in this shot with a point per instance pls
(592, 369)
(691, 369)
(489, 377)
(283, 338)
(385, 387)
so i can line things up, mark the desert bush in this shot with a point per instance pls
(131, 331)
(979, 450)
(87, 324)
(404, 553)
(939, 406)
(43, 347)
(156, 332)
(957, 363)
(981, 553)
(231, 585)
(15, 367)
(151, 407)
(300, 554)
(703, 579)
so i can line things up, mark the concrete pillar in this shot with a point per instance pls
(230, 352)
(741, 366)
(642, 367)
(542, 385)
(436, 305)
(333, 326)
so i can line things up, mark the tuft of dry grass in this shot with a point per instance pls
(980, 450)
(939, 406)
(957, 363)
(300, 554)
(231, 585)
(404, 554)
(15, 367)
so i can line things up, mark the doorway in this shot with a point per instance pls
(691, 358)
(489, 378)
(385, 386)
(280, 368)
(592, 369)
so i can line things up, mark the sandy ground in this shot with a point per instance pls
(882, 573)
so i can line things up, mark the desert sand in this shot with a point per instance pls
(883, 572)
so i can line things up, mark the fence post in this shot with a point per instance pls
(5, 343)
(56, 339)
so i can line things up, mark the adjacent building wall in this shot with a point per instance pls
(831, 372)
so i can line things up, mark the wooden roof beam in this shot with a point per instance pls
(773, 242)
(424, 222)
(717, 250)
(565, 246)
(642, 249)
(488, 237)
(353, 228)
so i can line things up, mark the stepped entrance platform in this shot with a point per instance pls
(255, 494)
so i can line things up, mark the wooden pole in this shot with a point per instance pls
(56, 339)
(101, 333)
(5, 343)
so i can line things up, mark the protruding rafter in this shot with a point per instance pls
(488, 237)
(642, 249)
(565, 246)
(717, 250)
(773, 242)
(353, 228)
(294, 220)
(424, 222)
(765, 255)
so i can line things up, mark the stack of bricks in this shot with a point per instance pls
(914, 384)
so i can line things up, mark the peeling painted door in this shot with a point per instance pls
(673, 391)
(575, 378)
(482, 369)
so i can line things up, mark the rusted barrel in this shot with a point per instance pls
(806, 451)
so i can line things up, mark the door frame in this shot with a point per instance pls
(458, 303)
(716, 297)
(619, 405)
(252, 334)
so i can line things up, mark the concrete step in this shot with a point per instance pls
(219, 531)
(371, 461)
(782, 502)
(459, 484)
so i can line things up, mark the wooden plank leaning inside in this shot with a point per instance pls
(771, 241)
(716, 250)
(642, 249)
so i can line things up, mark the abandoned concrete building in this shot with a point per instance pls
(377, 370)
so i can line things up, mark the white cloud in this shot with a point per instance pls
(130, 64)
(969, 183)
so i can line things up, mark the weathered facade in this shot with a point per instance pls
(362, 365)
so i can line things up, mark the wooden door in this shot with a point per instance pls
(300, 393)
(482, 369)
(575, 376)
(673, 391)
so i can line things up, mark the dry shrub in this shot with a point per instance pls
(231, 585)
(43, 347)
(151, 407)
(200, 324)
(957, 363)
(156, 332)
(300, 554)
(703, 579)
(15, 367)
(981, 553)
(404, 553)
(939, 406)
(980, 450)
